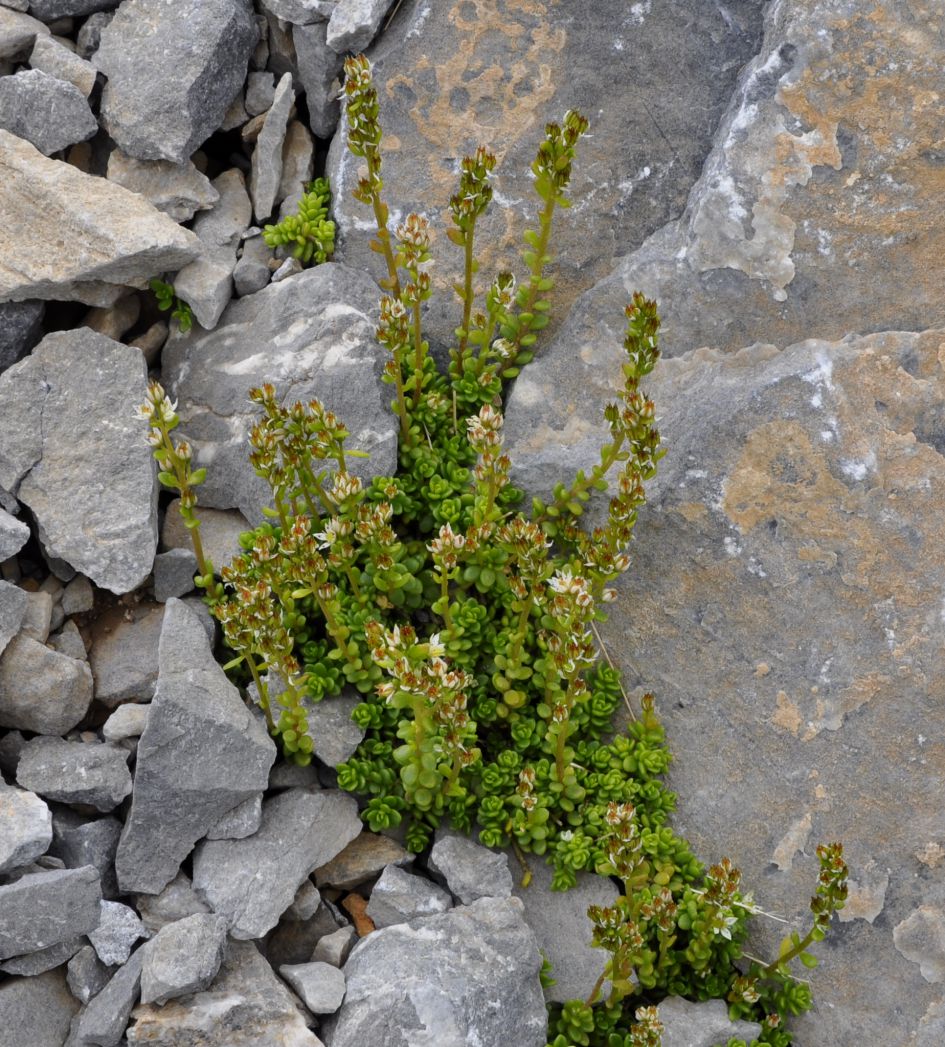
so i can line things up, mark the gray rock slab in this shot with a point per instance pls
(239, 823)
(335, 948)
(33, 963)
(18, 33)
(52, 10)
(246, 1005)
(466, 976)
(104, 1020)
(320, 69)
(266, 175)
(335, 734)
(124, 653)
(174, 574)
(127, 721)
(78, 596)
(705, 1024)
(25, 828)
(399, 896)
(298, 164)
(52, 57)
(36, 1011)
(38, 617)
(178, 190)
(176, 902)
(92, 774)
(48, 112)
(305, 903)
(252, 271)
(294, 941)
(202, 754)
(44, 908)
(468, 869)
(167, 92)
(300, 12)
(89, 36)
(253, 881)
(260, 91)
(20, 330)
(69, 641)
(310, 336)
(364, 857)
(86, 975)
(13, 606)
(115, 237)
(106, 531)
(354, 24)
(321, 986)
(81, 841)
(117, 320)
(559, 920)
(224, 224)
(220, 532)
(118, 929)
(183, 957)
(41, 690)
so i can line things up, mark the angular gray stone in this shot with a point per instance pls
(115, 237)
(291, 775)
(25, 828)
(52, 57)
(335, 734)
(220, 532)
(48, 112)
(468, 869)
(105, 1018)
(354, 24)
(52, 10)
(69, 641)
(305, 903)
(246, 1005)
(78, 596)
(80, 841)
(13, 607)
(127, 721)
(90, 35)
(38, 617)
(41, 690)
(266, 174)
(559, 920)
(253, 881)
(320, 69)
(252, 271)
(36, 1011)
(202, 754)
(399, 896)
(184, 957)
(334, 948)
(174, 574)
(320, 986)
(178, 190)
(18, 33)
(310, 336)
(20, 330)
(124, 654)
(298, 164)
(176, 902)
(260, 91)
(86, 975)
(117, 320)
(239, 823)
(106, 531)
(44, 908)
(362, 859)
(33, 963)
(87, 773)
(705, 1024)
(300, 12)
(117, 931)
(470, 974)
(168, 91)
(290, 267)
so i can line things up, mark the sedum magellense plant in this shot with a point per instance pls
(468, 624)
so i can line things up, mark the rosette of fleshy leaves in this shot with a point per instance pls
(309, 234)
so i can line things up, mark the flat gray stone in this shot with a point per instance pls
(176, 902)
(335, 734)
(335, 948)
(202, 754)
(300, 12)
(127, 721)
(86, 975)
(118, 929)
(320, 69)
(45, 111)
(20, 330)
(705, 1024)
(115, 237)
(18, 33)
(88, 773)
(364, 857)
(310, 336)
(246, 1005)
(68, 641)
(174, 574)
(468, 869)
(36, 1011)
(44, 908)
(105, 1018)
(252, 271)
(320, 986)
(124, 654)
(52, 57)
(253, 881)
(33, 963)
(266, 175)
(178, 190)
(239, 823)
(399, 896)
(13, 606)
(167, 92)
(38, 618)
(81, 841)
(183, 957)
(298, 165)
(354, 24)
(25, 828)
(78, 596)
(305, 903)
(470, 974)
(41, 690)
(260, 91)
(90, 35)
(108, 532)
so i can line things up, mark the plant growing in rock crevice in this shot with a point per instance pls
(469, 626)
(309, 234)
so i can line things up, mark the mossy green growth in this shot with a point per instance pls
(167, 300)
(310, 233)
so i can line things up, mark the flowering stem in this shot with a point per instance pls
(262, 689)
(468, 294)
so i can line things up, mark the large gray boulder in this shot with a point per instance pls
(169, 90)
(177, 190)
(48, 112)
(44, 908)
(254, 880)
(58, 447)
(311, 336)
(202, 754)
(462, 977)
(115, 237)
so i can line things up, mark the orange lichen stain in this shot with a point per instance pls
(787, 715)
(691, 511)
(762, 669)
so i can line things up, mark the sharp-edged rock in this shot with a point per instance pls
(18, 33)
(178, 190)
(267, 156)
(86, 974)
(52, 57)
(91, 774)
(335, 734)
(53, 10)
(321, 986)
(183, 957)
(252, 271)
(319, 70)
(20, 330)
(44, 908)
(354, 24)
(48, 112)
(705, 1024)
(78, 596)
(298, 164)
(124, 653)
(260, 92)
(176, 902)
(41, 690)
(36, 1011)
(104, 1020)
(300, 12)
(81, 841)
(13, 606)
(363, 858)
(25, 828)
(127, 721)
(399, 896)
(174, 574)
(468, 869)
(220, 532)
(334, 948)
(239, 823)
(118, 930)
(33, 963)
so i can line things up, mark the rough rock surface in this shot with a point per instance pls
(705, 1024)
(79, 841)
(335, 734)
(13, 606)
(44, 908)
(103, 1021)
(267, 156)
(56, 446)
(176, 902)
(25, 828)
(86, 974)
(399, 896)
(88, 773)
(124, 653)
(42, 690)
(468, 869)
(245, 1006)
(300, 12)
(321, 986)
(220, 532)
(52, 10)
(167, 91)
(363, 858)
(20, 330)
(201, 754)
(455, 75)
(118, 929)
(52, 57)
(36, 1011)
(309, 336)
(114, 237)
(319, 70)
(253, 881)
(183, 957)
(466, 976)
(178, 190)
(32, 963)
(354, 24)
(44, 110)
(18, 33)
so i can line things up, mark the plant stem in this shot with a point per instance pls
(383, 236)
(263, 690)
(417, 356)
(468, 294)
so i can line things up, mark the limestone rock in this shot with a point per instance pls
(399, 896)
(310, 336)
(124, 654)
(52, 57)
(52, 10)
(298, 165)
(55, 447)
(183, 957)
(260, 91)
(178, 190)
(25, 828)
(45, 111)
(174, 574)
(300, 12)
(253, 881)
(363, 858)
(354, 23)
(335, 948)
(201, 754)
(252, 270)
(86, 974)
(335, 734)
(78, 596)
(220, 532)
(267, 156)
(41, 690)
(168, 91)
(176, 902)
(239, 823)
(36, 1011)
(319, 70)
(114, 237)
(468, 869)
(90, 35)
(105, 1018)
(705, 1024)
(79, 841)
(20, 330)
(43, 908)
(118, 929)
(13, 606)
(18, 32)
(320, 986)
(88, 773)
(470, 974)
